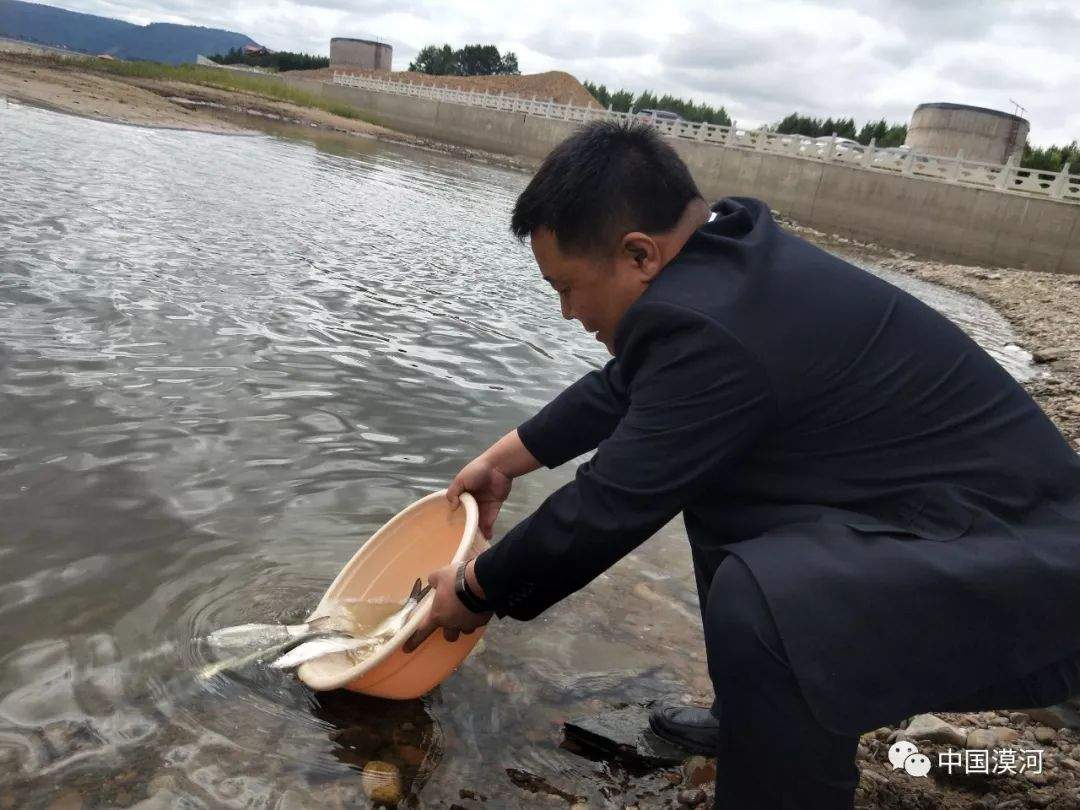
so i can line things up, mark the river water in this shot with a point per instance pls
(226, 361)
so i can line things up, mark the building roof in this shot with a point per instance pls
(948, 105)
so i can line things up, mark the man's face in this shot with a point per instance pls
(596, 291)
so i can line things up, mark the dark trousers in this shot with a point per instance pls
(774, 755)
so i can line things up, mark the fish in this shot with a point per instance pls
(384, 631)
(262, 636)
(321, 636)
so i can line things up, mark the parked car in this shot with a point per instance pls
(665, 116)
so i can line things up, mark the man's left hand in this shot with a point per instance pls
(447, 611)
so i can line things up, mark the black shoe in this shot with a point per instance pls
(690, 727)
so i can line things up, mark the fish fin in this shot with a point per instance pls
(318, 624)
(417, 589)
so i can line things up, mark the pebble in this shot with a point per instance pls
(1039, 798)
(382, 783)
(1045, 735)
(931, 728)
(643, 591)
(1037, 778)
(691, 798)
(699, 771)
(988, 738)
(1071, 764)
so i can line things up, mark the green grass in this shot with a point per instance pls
(266, 86)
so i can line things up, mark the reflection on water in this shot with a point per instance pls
(224, 362)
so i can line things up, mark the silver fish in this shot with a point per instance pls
(263, 654)
(262, 636)
(317, 648)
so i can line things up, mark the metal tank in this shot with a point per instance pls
(367, 54)
(985, 135)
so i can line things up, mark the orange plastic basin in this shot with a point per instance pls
(415, 542)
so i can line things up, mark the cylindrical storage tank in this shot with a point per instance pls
(360, 53)
(989, 136)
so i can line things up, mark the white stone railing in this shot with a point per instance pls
(1061, 185)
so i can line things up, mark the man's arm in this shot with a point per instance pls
(578, 419)
(697, 400)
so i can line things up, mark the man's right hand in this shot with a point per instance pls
(485, 482)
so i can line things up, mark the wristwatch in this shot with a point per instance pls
(468, 598)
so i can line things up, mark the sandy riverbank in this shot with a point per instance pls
(78, 88)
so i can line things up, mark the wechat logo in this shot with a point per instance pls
(904, 754)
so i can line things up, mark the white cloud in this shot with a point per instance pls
(864, 58)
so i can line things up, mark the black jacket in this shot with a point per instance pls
(911, 514)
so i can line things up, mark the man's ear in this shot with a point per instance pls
(642, 254)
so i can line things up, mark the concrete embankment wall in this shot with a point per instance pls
(929, 217)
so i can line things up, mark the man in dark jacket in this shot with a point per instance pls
(882, 520)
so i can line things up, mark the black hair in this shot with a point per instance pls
(602, 182)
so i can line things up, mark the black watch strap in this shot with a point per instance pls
(468, 598)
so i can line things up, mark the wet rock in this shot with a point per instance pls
(381, 782)
(623, 734)
(471, 795)
(1071, 764)
(1045, 735)
(691, 798)
(1038, 778)
(1058, 717)
(990, 738)
(1048, 354)
(931, 728)
(67, 739)
(699, 771)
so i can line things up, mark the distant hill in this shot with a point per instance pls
(160, 42)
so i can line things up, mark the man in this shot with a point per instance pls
(882, 520)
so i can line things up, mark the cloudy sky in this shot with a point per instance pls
(761, 60)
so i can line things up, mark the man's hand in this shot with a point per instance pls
(488, 484)
(447, 611)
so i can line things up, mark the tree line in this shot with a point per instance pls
(626, 100)
(469, 60)
(881, 132)
(1052, 158)
(275, 60)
